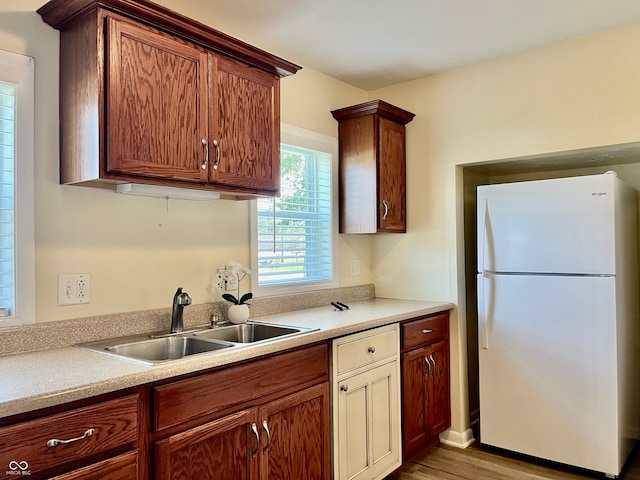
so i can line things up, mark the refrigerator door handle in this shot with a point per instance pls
(483, 205)
(483, 332)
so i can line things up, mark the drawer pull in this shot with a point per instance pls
(344, 388)
(427, 330)
(54, 442)
(371, 350)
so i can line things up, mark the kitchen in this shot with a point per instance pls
(515, 107)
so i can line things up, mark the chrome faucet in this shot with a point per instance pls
(180, 300)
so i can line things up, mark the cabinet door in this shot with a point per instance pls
(438, 402)
(415, 425)
(296, 436)
(122, 467)
(368, 424)
(245, 124)
(426, 409)
(391, 176)
(220, 449)
(156, 104)
(358, 175)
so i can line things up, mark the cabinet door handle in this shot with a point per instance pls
(254, 429)
(344, 388)
(206, 153)
(433, 360)
(217, 147)
(427, 330)
(386, 210)
(428, 366)
(266, 429)
(371, 349)
(54, 442)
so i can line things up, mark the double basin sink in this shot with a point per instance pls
(158, 349)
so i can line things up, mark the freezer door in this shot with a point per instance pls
(547, 361)
(563, 225)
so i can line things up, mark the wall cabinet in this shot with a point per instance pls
(425, 382)
(149, 96)
(366, 409)
(372, 178)
(87, 442)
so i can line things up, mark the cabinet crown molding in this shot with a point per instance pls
(378, 107)
(59, 13)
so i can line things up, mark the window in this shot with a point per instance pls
(294, 235)
(17, 304)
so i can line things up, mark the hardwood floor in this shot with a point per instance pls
(478, 463)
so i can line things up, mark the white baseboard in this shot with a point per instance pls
(457, 439)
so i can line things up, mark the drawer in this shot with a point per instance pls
(30, 444)
(424, 331)
(208, 393)
(122, 467)
(365, 348)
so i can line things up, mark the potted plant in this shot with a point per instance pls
(239, 309)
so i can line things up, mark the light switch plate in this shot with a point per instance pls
(74, 289)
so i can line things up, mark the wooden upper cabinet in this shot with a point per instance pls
(245, 123)
(372, 176)
(392, 188)
(150, 96)
(157, 98)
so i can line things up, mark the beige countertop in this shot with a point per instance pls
(30, 381)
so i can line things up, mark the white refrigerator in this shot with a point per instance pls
(558, 331)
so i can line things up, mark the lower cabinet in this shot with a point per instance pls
(122, 467)
(284, 439)
(426, 409)
(219, 449)
(267, 418)
(366, 392)
(297, 436)
(88, 442)
(271, 421)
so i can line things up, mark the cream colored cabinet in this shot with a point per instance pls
(366, 404)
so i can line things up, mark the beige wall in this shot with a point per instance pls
(574, 94)
(571, 95)
(139, 250)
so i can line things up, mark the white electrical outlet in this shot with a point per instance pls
(227, 281)
(74, 289)
(354, 267)
(231, 283)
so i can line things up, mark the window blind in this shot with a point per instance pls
(7, 191)
(295, 230)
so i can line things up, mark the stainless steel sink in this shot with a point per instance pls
(156, 350)
(249, 332)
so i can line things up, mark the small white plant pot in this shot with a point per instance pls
(238, 313)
